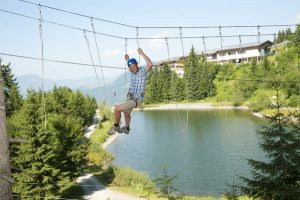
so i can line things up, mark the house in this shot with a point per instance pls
(230, 54)
(174, 65)
(240, 53)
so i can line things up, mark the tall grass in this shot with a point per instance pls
(105, 113)
(97, 155)
(128, 179)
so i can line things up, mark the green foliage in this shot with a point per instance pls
(204, 79)
(192, 75)
(285, 35)
(166, 186)
(128, 178)
(82, 106)
(233, 191)
(260, 100)
(97, 156)
(164, 85)
(278, 177)
(105, 113)
(54, 154)
(13, 99)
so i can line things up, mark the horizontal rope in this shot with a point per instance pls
(62, 25)
(58, 61)
(81, 185)
(216, 27)
(205, 37)
(78, 14)
(145, 38)
(156, 27)
(255, 80)
(90, 65)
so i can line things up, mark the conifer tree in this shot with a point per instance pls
(13, 98)
(278, 177)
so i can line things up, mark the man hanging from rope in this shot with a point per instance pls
(135, 95)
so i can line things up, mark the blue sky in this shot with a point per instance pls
(21, 36)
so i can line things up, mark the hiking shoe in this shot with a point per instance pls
(113, 130)
(124, 129)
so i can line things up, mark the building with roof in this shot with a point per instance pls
(174, 65)
(240, 53)
(229, 54)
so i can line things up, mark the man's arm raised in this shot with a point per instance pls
(147, 59)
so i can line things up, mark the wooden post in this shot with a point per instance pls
(5, 173)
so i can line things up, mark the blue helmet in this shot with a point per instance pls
(131, 61)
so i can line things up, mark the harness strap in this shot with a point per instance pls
(136, 103)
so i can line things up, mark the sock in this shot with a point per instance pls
(116, 125)
(128, 129)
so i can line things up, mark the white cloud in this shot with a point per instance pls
(114, 52)
(158, 43)
(131, 51)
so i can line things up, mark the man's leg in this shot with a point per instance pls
(125, 129)
(127, 118)
(126, 107)
(117, 111)
(116, 126)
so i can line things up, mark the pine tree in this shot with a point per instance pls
(147, 94)
(180, 89)
(13, 98)
(165, 76)
(288, 34)
(204, 76)
(192, 72)
(53, 157)
(154, 86)
(279, 37)
(174, 78)
(277, 178)
(159, 86)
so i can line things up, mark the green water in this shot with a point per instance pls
(212, 153)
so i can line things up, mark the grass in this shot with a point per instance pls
(212, 198)
(97, 156)
(128, 180)
(99, 134)
(286, 112)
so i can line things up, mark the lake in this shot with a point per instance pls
(212, 153)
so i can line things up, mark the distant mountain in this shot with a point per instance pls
(35, 82)
(114, 91)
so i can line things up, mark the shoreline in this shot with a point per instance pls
(198, 106)
(192, 106)
(110, 140)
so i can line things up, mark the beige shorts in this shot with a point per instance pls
(129, 105)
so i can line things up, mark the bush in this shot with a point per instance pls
(293, 101)
(260, 101)
(126, 177)
(105, 112)
(97, 155)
